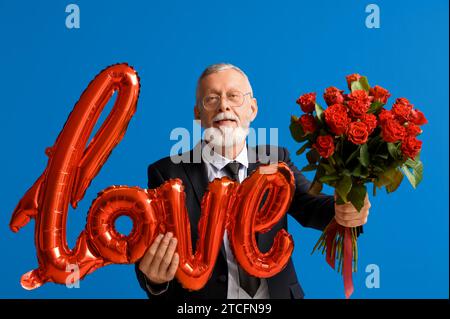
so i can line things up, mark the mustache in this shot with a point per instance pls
(225, 116)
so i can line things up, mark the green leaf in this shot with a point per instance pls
(411, 163)
(309, 167)
(385, 177)
(316, 188)
(375, 107)
(415, 176)
(338, 159)
(361, 84)
(303, 148)
(329, 178)
(360, 171)
(357, 195)
(378, 170)
(382, 156)
(339, 200)
(328, 168)
(297, 130)
(344, 186)
(364, 83)
(353, 155)
(357, 171)
(346, 172)
(411, 178)
(393, 150)
(312, 156)
(396, 180)
(355, 86)
(364, 155)
(319, 112)
(418, 172)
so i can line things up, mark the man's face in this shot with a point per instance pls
(222, 83)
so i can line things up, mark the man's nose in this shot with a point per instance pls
(224, 104)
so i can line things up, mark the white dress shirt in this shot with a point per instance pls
(215, 164)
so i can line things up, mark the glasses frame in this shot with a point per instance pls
(221, 96)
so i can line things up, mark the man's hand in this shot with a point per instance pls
(347, 215)
(160, 262)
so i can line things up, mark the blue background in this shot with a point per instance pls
(286, 48)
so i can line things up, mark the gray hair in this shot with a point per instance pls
(217, 67)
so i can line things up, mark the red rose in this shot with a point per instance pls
(379, 94)
(411, 146)
(337, 119)
(333, 95)
(402, 110)
(358, 133)
(324, 145)
(371, 121)
(402, 100)
(412, 129)
(307, 102)
(308, 123)
(418, 117)
(352, 78)
(385, 115)
(358, 103)
(392, 131)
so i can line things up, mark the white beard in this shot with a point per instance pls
(225, 136)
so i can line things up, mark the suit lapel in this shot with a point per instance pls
(198, 177)
(195, 171)
(253, 164)
(253, 160)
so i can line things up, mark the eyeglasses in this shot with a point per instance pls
(234, 98)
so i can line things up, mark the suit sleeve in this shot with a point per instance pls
(155, 179)
(314, 211)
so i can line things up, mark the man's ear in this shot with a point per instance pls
(253, 109)
(196, 113)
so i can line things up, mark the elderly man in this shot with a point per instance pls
(225, 107)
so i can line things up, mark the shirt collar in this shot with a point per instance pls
(218, 161)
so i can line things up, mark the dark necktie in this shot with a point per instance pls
(248, 282)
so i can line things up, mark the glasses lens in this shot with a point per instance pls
(211, 101)
(235, 98)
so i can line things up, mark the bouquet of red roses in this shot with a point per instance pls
(353, 142)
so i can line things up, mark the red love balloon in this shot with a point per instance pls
(276, 182)
(71, 168)
(112, 203)
(69, 172)
(195, 269)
